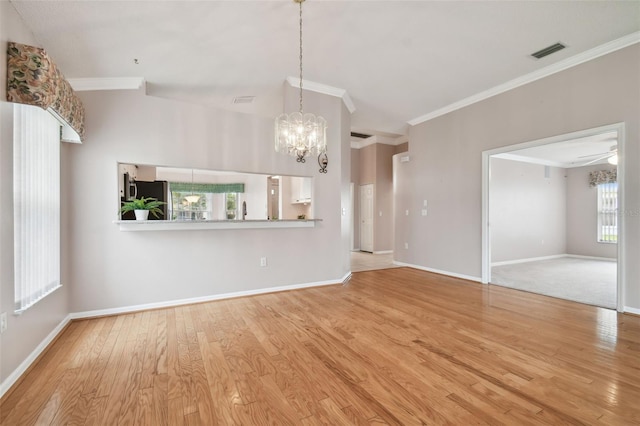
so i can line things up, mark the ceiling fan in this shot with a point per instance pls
(611, 156)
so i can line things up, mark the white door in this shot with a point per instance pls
(366, 217)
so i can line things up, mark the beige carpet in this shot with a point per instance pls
(582, 280)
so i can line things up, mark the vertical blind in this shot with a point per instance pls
(36, 204)
(608, 212)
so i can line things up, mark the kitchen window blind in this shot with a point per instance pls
(204, 188)
(36, 204)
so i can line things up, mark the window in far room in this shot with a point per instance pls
(608, 212)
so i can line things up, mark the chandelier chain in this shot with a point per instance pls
(300, 57)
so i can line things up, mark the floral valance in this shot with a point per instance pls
(33, 79)
(603, 176)
(201, 188)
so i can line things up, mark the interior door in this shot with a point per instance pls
(273, 198)
(366, 218)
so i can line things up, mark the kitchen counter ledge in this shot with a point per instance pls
(191, 225)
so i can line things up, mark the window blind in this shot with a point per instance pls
(608, 212)
(212, 188)
(36, 204)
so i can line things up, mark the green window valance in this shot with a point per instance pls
(603, 176)
(212, 188)
(33, 79)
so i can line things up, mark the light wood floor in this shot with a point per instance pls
(362, 261)
(397, 346)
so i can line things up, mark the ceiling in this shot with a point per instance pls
(576, 152)
(397, 60)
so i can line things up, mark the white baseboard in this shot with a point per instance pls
(438, 271)
(172, 303)
(577, 256)
(631, 310)
(383, 252)
(24, 365)
(555, 256)
(530, 259)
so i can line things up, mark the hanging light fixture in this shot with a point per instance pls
(192, 198)
(299, 134)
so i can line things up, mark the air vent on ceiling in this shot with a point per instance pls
(359, 135)
(243, 99)
(548, 50)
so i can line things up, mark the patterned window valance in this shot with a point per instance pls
(33, 79)
(603, 176)
(212, 188)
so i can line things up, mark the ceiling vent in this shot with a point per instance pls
(548, 50)
(359, 135)
(243, 99)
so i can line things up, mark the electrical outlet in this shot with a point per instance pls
(263, 261)
(3, 322)
(406, 246)
(424, 212)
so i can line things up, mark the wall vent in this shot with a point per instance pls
(548, 50)
(359, 135)
(243, 99)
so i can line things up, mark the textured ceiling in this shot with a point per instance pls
(397, 60)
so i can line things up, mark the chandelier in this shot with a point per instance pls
(300, 134)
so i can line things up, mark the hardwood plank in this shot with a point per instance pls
(149, 341)
(160, 403)
(97, 407)
(174, 387)
(31, 396)
(397, 346)
(144, 408)
(175, 412)
(221, 387)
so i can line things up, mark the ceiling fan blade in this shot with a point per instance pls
(610, 154)
(593, 155)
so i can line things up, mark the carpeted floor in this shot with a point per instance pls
(583, 280)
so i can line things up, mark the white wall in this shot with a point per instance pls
(446, 159)
(582, 215)
(113, 269)
(27, 331)
(528, 211)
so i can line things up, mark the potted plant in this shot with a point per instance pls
(142, 206)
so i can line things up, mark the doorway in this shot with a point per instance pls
(523, 247)
(273, 197)
(366, 217)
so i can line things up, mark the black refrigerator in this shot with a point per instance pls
(157, 189)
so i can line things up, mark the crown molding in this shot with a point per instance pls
(567, 63)
(106, 83)
(324, 89)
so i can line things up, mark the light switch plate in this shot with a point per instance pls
(3, 322)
